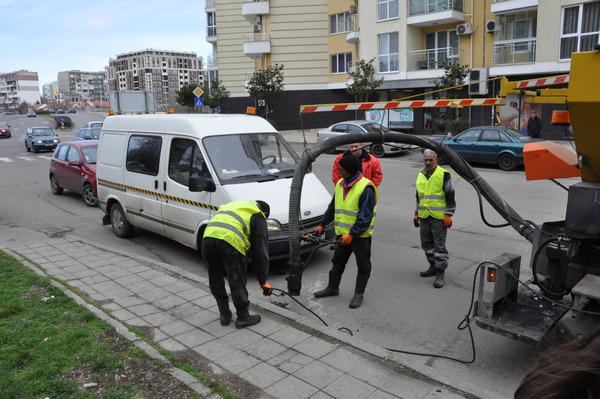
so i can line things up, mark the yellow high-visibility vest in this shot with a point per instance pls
(231, 224)
(346, 209)
(432, 199)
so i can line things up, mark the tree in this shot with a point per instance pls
(266, 84)
(454, 75)
(363, 80)
(215, 94)
(185, 96)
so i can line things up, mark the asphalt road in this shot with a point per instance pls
(401, 310)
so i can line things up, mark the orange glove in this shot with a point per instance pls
(267, 290)
(319, 231)
(447, 221)
(347, 239)
(416, 220)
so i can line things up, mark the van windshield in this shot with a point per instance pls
(254, 157)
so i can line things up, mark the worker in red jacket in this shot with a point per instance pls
(371, 167)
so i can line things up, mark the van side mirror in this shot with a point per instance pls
(201, 183)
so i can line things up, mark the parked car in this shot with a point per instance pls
(88, 133)
(60, 111)
(94, 124)
(40, 138)
(51, 111)
(31, 114)
(362, 126)
(72, 111)
(499, 145)
(4, 130)
(8, 113)
(73, 167)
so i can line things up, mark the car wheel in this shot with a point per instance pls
(56, 189)
(27, 147)
(507, 162)
(377, 150)
(33, 149)
(89, 196)
(121, 227)
(442, 160)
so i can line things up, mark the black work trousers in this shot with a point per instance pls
(223, 260)
(361, 246)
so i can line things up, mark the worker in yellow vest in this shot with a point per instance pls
(435, 208)
(233, 230)
(352, 209)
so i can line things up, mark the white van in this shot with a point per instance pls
(169, 173)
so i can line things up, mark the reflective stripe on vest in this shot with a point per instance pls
(346, 209)
(432, 199)
(232, 224)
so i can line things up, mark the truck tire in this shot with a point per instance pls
(121, 227)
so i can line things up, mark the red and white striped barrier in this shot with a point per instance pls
(304, 109)
(543, 82)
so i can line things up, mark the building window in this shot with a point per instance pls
(441, 46)
(339, 62)
(387, 9)
(211, 24)
(338, 23)
(580, 28)
(389, 49)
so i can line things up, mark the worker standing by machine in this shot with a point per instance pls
(435, 207)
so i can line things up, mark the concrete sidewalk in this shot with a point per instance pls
(284, 356)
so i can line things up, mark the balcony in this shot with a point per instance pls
(257, 45)
(432, 58)
(209, 5)
(435, 12)
(211, 34)
(504, 6)
(352, 35)
(513, 52)
(211, 62)
(253, 10)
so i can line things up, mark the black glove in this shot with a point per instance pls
(267, 290)
(416, 220)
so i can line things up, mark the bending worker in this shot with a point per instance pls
(235, 228)
(371, 167)
(352, 209)
(435, 207)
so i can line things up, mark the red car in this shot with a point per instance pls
(73, 167)
(4, 130)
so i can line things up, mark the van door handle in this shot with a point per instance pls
(156, 184)
(164, 186)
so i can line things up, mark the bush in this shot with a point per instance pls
(65, 119)
(458, 125)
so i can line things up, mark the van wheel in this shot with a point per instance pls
(121, 227)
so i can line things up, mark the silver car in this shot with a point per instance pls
(362, 126)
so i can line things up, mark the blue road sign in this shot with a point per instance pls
(199, 102)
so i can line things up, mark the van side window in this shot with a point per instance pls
(143, 154)
(185, 160)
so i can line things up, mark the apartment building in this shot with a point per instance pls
(410, 40)
(17, 87)
(79, 86)
(161, 71)
(307, 37)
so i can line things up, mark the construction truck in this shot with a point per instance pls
(562, 300)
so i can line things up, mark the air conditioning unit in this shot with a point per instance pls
(257, 27)
(476, 86)
(490, 26)
(463, 29)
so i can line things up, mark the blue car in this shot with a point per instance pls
(498, 145)
(40, 138)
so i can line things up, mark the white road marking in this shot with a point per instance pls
(6, 160)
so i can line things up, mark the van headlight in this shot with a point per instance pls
(273, 225)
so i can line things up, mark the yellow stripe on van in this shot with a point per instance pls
(169, 197)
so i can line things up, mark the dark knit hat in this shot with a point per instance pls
(264, 207)
(351, 164)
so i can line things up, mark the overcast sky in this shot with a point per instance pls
(48, 37)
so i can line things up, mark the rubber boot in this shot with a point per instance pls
(429, 272)
(245, 319)
(332, 288)
(224, 312)
(359, 290)
(439, 278)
